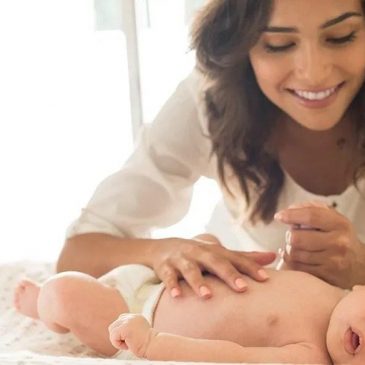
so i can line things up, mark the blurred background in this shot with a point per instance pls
(77, 80)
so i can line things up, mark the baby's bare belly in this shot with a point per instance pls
(224, 316)
(262, 316)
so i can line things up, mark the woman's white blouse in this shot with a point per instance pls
(154, 188)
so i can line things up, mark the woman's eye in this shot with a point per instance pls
(342, 40)
(272, 49)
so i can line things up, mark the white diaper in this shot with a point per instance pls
(140, 288)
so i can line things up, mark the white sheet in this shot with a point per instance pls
(24, 341)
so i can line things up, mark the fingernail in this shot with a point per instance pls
(240, 283)
(281, 252)
(288, 238)
(306, 227)
(279, 216)
(175, 292)
(288, 248)
(263, 274)
(204, 291)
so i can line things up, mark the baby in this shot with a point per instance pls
(293, 317)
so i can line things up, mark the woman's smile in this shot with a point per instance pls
(316, 99)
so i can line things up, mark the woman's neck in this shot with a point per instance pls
(337, 138)
(322, 162)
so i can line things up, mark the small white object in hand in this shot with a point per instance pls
(287, 248)
(280, 263)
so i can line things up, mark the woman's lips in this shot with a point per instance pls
(352, 341)
(316, 103)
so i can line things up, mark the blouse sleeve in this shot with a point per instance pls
(154, 187)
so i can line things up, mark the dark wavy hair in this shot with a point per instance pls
(240, 116)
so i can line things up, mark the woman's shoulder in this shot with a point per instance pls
(186, 105)
(195, 83)
(192, 89)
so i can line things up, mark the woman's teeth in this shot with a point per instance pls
(309, 95)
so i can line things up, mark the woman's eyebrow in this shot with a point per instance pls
(339, 19)
(328, 23)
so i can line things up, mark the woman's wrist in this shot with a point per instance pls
(155, 249)
(207, 238)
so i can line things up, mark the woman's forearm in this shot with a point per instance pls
(171, 259)
(98, 253)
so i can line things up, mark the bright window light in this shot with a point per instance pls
(64, 119)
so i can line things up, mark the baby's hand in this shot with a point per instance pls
(132, 332)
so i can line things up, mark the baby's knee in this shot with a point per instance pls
(62, 295)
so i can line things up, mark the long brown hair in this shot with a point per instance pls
(240, 116)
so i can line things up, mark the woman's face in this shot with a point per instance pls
(310, 59)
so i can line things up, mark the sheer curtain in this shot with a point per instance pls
(165, 59)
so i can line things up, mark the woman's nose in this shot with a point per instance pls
(313, 66)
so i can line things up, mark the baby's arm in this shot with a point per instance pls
(133, 332)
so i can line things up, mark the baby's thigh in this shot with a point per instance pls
(74, 293)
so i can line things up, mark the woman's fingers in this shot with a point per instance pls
(246, 263)
(330, 243)
(187, 269)
(192, 273)
(169, 276)
(226, 271)
(189, 259)
(230, 265)
(317, 217)
(261, 258)
(329, 248)
(332, 256)
(310, 240)
(305, 257)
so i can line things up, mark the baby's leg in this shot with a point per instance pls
(79, 303)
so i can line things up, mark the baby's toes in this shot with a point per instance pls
(18, 293)
(26, 298)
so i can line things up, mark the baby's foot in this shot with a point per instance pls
(26, 298)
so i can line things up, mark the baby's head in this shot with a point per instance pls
(346, 330)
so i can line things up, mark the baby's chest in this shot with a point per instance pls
(275, 322)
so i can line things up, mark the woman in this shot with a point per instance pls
(275, 114)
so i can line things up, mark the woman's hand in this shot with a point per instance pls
(175, 258)
(327, 247)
